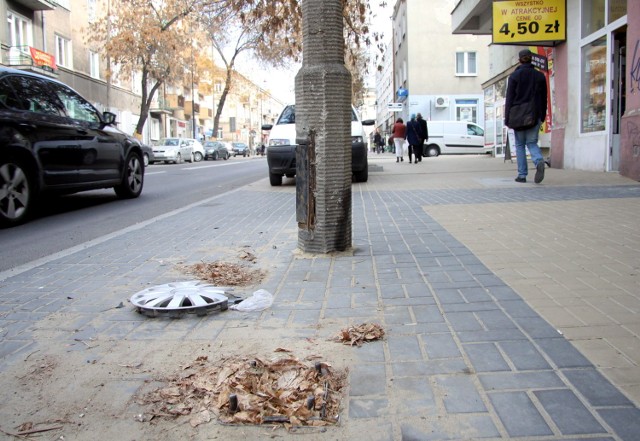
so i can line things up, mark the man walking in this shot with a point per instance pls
(527, 85)
(425, 134)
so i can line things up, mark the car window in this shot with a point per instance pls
(354, 117)
(170, 141)
(75, 106)
(288, 115)
(31, 94)
(474, 130)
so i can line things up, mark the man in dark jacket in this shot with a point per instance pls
(425, 134)
(527, 84)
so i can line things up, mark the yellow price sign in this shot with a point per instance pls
(529, 21)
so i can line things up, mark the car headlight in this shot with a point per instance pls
(356, 139)
(279, 142)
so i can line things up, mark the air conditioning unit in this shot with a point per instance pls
(442, 101)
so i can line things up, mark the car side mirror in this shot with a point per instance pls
(267, 126)
(368, 122)
(109, 117)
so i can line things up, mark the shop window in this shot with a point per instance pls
(592, 16)
(594, 75)
(467, 110)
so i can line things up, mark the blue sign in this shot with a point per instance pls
(403, 92)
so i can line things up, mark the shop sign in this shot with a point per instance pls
(42, 58)
(543, 22)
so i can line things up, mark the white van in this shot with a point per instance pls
(455, 138)
(281, 148)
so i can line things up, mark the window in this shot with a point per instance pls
(63, 52)
(594, 82)
(91, 10)
(114, 75)
(466, 64)
(467, 110)
(19, 29)
(94, 64)
(31, 94)
(75, 106)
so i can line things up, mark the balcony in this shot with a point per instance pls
(159, 106)
(37, 5)
(29, 58)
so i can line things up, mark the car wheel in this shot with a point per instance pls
(145, 157)
(433, 150)
(275, 180)
(132, 179)
(227, 156)
(362, 175)
(214, 156)
(17, 192)
(197, 156)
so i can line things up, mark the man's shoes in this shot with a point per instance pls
(402, 159)
(409, 161)
(397, 159)
(519, 179)
(539, 172)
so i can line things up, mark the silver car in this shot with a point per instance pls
(174, 150)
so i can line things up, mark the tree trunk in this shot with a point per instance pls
(323, 109)
(145, 102)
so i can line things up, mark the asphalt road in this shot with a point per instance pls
(69, 221)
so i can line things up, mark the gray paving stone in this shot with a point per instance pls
(471, 295)
(562, 353)
(596, 388)
(397, 315)
(306, 317)
(495, 320)
(489, 336)
(370, 353)
(440, 346)
(518, 308)
(503, 292)
(404, 348)
(525, 380)
(485, 357)
(367, 379)
(568, 413)
(625, 421)
(524, 355)
(464, 321)
(460, 394)
(363, 408)
(518, 414)
(414, 395)
(449, 295)
(427, 314)
(429, 367)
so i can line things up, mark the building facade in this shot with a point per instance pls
(435, 73)
(593, 79)
(49, 38)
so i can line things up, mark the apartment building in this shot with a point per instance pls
(48, 37)
(434, 72)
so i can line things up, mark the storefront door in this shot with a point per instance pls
(618, 69)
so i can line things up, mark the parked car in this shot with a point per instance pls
(52, 140)
(198, 149)
(281, 149)
(147, 154)
(215, 149)
(455, 138)
(174, 150)
(240, 148)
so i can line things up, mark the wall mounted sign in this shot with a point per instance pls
(539, 22)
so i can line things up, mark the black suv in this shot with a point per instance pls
(54, 141)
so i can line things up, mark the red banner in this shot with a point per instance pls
(42, 58)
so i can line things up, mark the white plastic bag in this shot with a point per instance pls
(259, 301)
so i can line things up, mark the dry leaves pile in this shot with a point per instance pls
(285, 391)
(225, 274)
(363, 333)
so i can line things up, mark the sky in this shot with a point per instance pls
(281, 82)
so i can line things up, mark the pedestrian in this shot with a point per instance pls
(377, 141)
(526, 89)
(425, 134)
(414, 137)
(399, 133)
